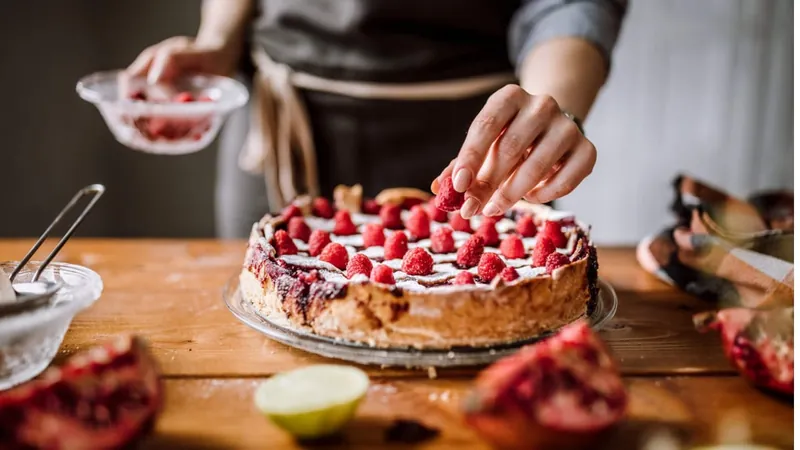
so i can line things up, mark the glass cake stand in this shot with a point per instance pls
(408, 357)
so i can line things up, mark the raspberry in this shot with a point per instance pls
(359, 264)
(418, 223)
(436, 214)
(512, 247)
(464, 278)
(183, 97)
(490, 266)
(526, 227)
(470, 253)
(318, 240)
(459, 223)
(555, 260)
(382, 274)
(291, 211)
(298, 229)
(396, 245)
(553, 231)
(284, 243)
(343, 225)
(370, 206)
(335, 253)
(373, 235)
(442, 240)
(417, 262)
(390, 216)
(543, 248)
(490, 219)
(448, 199)
(509, 274)
(321, 207)
(488, 232)
(309, 278)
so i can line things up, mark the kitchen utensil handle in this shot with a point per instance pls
(97, 190)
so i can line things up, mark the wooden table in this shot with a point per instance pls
(169, 291)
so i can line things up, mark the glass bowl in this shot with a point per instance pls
(30, 340)
(154, 119)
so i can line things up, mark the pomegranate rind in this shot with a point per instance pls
(758, 343)
(565, 390)
(107, 397)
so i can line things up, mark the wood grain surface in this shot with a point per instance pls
(170, 292)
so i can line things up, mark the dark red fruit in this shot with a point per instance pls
(512, 247)
(343, 224)
(335, 254)
(359, 264)
(291, 211)
(138, 96)
(490, 266)
(558, 393)
(543, 248)
(448, 199)
(759, 343)
(436, 214)
(459, 223)
(470, 253)
(554, 261)
(417, 262)
(104, 398)
(526, 227)
(318, 240)
(373, 235)
(442, 240)
(183, 97)
(298, 229)
(464, 278)
(322, 207)
(509, 274)
(382, 274)
(488, 231)
(396, 245)
(370, 206)
(418, 223)
(284, 243)
(410, 202)
(553, 231)
(390, 216)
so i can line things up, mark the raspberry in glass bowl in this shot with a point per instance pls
(179, 118)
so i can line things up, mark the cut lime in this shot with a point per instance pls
(313, 401)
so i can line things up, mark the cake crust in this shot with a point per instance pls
(442, 316)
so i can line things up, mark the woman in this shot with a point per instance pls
(381, 93)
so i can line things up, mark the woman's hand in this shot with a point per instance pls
(519, 146)
(180, 55)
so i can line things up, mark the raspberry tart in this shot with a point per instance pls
(398, 271)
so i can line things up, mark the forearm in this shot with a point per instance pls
(224, 22)
(571, 70)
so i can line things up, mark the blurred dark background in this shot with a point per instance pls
(703, 87)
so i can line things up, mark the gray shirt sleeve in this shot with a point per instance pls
(536, 21)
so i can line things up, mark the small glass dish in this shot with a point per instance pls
(604, 309)
(30, 340)
(167, 126)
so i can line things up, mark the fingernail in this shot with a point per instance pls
(435, 186)
(461, 180)
(470, 207)
(491, 209)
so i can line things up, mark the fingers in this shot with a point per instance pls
(141, 64)
(167, 60)
(577, 167)
(499, 110)
(557, 141)
(512, 147)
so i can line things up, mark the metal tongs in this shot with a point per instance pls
(35, 294)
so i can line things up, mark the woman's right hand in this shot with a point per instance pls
(180, 55)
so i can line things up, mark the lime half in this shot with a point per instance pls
(313, 401)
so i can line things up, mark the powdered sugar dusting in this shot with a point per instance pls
(308, 262)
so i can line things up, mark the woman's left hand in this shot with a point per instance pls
(519, 146)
